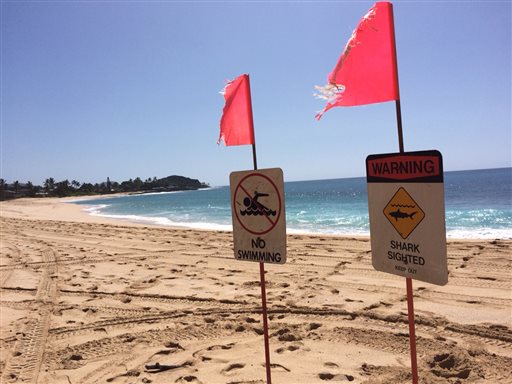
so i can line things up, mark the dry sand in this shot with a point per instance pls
(87, 300)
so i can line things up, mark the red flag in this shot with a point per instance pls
(236, 124)
(366, 71)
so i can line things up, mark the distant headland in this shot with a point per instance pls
(65, 188)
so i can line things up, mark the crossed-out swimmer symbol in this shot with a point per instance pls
(254, 207)
(257, 203)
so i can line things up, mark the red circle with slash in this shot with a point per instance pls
(258, 209)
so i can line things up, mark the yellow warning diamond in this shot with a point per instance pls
(403, 213)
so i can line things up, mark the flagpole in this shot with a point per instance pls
(408, 280)
(263, 297)
(399, 125)
(254, 161)
(262, 264)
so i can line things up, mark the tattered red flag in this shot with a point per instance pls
(366, 71)
(236, 124)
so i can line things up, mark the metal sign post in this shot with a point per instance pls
(259, 227)
(263, 298)
(406, 205)
(407, 223)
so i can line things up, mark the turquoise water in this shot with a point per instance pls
(478, 205)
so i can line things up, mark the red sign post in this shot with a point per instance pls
(237, 128)
(407, 222)
(366, 73)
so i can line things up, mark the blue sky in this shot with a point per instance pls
(120, 89)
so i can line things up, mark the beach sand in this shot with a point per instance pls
(91, 300)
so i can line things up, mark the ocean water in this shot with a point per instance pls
(478, 205)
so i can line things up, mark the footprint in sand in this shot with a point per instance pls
(188, 379)
(233, 366)
(450, 365)
(313, 326)
(327, 376)
(202, 353)
(279, 367)
(290, 348)
(285, 334)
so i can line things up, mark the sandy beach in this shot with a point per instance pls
(90, 300)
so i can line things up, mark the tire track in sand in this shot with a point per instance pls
(25, 362)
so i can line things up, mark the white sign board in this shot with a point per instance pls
(407, 217)
(258, 214)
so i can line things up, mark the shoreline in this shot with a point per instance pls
(51, 208)
(64, 208)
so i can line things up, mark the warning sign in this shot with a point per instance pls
(407, 219)
(403, 213)
(257, 208)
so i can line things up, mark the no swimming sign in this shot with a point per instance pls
(258, 214)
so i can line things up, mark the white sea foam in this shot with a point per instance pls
(474, 233)
(164, 221)
(95, 210)
(79, 200)
(479, 233)
(331, 231)
(155, 193)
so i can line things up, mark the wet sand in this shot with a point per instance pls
(90, 300)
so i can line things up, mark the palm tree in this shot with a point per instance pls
(137, 184)
(62, 188)
(49, 184)
(30, 188)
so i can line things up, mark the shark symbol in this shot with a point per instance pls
(402, 215)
